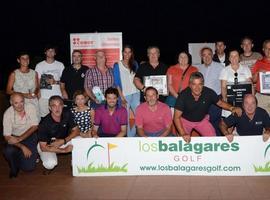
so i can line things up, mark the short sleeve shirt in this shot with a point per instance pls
(94, 77)
(146, 69)
(260, 65)
(245, 126)
(16, 125)
(49, 70)
(227, 74)
(73, 79)
(49, 128)
(177, 76)
(211, 75)
(82, 119)
(110, 124)
(192, 110)
(153, 121)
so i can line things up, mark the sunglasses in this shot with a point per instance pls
(235, 78)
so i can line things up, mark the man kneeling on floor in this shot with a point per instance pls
(20, 125)
(55, 132)
(254, 121)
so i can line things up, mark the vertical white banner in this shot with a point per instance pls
(195, 50)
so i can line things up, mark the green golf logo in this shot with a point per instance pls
(266, 167)
(111, 167)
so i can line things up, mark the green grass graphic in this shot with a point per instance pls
(265, 168)
(112, 168)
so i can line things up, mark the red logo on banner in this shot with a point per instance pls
(78, 42)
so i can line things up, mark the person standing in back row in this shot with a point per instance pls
(49, 74)
(151, 68)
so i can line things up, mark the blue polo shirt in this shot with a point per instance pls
(245, 126)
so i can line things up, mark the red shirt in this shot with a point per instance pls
(176, 72)
(150, 121)
(260, 65)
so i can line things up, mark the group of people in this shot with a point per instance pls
(53, 104)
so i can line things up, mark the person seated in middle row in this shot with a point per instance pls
(254, 121)
(153, 118)
(82, 114)
(110, 119)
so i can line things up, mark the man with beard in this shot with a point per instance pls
(110, 119)
(153, 118)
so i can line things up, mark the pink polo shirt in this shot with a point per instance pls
(153, 121)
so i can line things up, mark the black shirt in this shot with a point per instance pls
(146, 69)
(245, 126)
(226, 61)
(195, 111)
(48, 128)
(73, 79)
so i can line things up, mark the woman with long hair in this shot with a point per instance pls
(124, 72)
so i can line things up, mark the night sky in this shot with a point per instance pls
(171, 25)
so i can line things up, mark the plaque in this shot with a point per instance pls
(159, 82)
(265, 82)
(236, 93)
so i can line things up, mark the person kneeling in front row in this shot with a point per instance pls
(55, 132)
(254, 121)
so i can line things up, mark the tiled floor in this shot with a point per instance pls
(61, 185)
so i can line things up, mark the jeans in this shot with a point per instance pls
(15, 156)
(133, 100)
(215, 117)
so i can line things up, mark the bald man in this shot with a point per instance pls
(20, 125)
(254, 121)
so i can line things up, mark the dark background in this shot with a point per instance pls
(171, 25)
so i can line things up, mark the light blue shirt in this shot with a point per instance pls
(211, 75)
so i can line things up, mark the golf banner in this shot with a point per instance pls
(206, 156)
(90, 43)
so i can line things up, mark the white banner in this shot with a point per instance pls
(89, 43)
(208, 156)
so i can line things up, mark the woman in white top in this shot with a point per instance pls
(124, 72)
(234, 73)
(24, 81)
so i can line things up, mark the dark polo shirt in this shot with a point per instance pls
(245, 126)
(73, 79)
(195, 111)
(146, 69)
(48, 128)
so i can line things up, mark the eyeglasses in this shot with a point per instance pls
(235, 78)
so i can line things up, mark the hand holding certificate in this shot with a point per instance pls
(265, 82)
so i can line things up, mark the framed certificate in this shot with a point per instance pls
(265, 82)
(159, 82)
